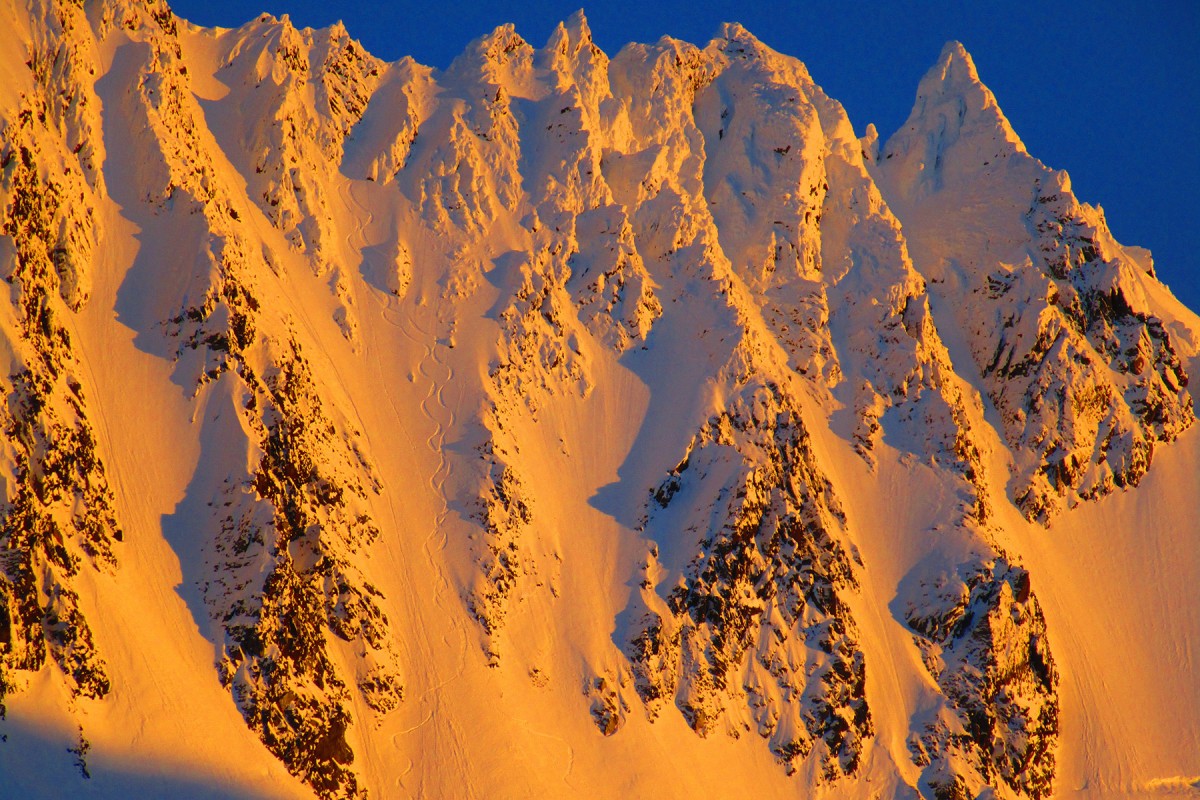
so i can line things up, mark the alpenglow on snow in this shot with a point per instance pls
(563, 426)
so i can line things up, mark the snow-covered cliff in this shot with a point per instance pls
(559, 425)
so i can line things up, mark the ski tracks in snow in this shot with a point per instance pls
(566, 745)
(438, 374)
(445, 749)
(364, 216)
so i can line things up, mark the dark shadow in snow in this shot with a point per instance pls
(633, 620)
(505, 276)
(675, 363)
(378, 266)
(188, 530)
(671, 357)
(383, 123)
(36, 764)
(153, 289)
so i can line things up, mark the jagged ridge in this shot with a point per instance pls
(544, 225)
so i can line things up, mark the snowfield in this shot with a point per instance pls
(559, 425)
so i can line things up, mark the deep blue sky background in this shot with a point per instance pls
(1108, 90)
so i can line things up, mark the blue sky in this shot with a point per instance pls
(1109, 91)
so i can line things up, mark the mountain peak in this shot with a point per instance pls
(502, 40)
(338, 30)
(513, 428)
(574, 57)
(735, 43)
(955, 60)
(954, 76)
(571, 35)
(736, 31)
(955, 129)
(954, 81)
(577, 26)
(734, 38)
(494, 56)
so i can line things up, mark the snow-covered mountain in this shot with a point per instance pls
(559, 425)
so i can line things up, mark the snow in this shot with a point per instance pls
(530, 292)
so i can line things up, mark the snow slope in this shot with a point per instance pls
(559, 425)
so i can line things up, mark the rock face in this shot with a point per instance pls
(284, 534)
(289, 532)
(1069, 346)
(56, 509)
(983, 639)
(549, 366)
(758, 617)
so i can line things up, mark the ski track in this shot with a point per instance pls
(441, 419)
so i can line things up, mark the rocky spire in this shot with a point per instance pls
(1069, 345)
(955, 129)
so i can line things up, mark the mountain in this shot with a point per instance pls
(559, 425)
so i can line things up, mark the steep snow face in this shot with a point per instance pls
(469, 433)
(310, 89)
(1065, 326)
(58, 513)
